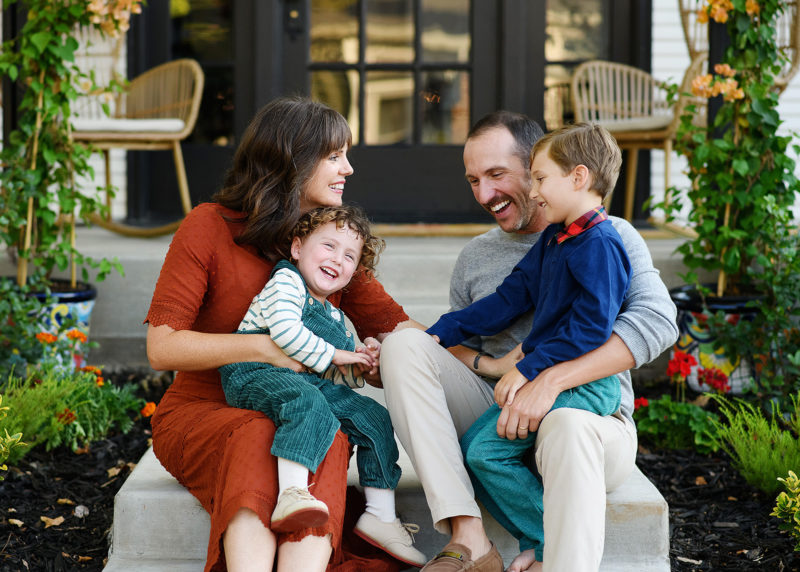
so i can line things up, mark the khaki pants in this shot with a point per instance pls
(433, 399)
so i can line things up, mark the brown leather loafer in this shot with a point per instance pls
(456, 557)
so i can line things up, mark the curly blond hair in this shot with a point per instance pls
(345, 216)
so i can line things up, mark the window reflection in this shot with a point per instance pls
(388, 108)
(445, 31)
(338, 89)
(576, 31)
(390, 31)
(334, 31)
(201, 29)
(445, 107)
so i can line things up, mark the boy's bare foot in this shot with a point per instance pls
(525, 562)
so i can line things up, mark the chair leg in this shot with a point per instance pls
(630, 182)
(667, 156)
(183, 183)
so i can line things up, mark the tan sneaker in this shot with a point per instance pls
(394, 538)
(297, 509)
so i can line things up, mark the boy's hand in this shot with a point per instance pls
(507, 387)
(372, 348)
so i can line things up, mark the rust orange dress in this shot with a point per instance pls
(222, 454)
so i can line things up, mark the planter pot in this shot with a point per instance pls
(696, 340)
(75, 304)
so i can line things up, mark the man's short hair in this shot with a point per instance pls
(586, 144)
(524, 130)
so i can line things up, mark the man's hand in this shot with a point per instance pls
(507, 387)
(531, 403)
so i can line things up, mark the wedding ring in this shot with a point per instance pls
(523, 426)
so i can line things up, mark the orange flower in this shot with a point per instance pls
(77, 335)
(92, 369)
(148, 409)
(724, 69)
(702, 16)
(46, 337)
(752, 8)
(701, 86)
(100, 381)
(66, 417)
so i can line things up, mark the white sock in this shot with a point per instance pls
(291, 474)
(380, 503)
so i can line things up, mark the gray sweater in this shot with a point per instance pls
(646, 322)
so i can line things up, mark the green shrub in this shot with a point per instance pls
(56, 407)
(7, 442)
(760, 447)
(676, 425)
(787, 507)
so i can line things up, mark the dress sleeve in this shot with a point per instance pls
(183, 281)
(369, 307)
(280, 308)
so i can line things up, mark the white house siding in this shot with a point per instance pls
(670, 60)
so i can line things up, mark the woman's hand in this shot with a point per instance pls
(372, 348)
(343, 358)
(497, 367)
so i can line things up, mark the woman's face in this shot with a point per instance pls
(326, 186)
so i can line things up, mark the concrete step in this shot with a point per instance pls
(159, 525)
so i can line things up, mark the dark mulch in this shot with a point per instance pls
(717, 520)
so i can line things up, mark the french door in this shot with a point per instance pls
(411, 76)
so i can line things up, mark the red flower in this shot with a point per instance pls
(640, 402)
(148, 409)
(714, 378)
(680, 366)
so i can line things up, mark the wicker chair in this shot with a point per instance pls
(787, 31)
(156, 111)
(634, 107)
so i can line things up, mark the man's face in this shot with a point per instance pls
(500, 181)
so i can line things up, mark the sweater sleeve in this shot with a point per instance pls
(280, 306)
(647, 320)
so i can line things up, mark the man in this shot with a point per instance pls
(434, 395)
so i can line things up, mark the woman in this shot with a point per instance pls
(291, 159)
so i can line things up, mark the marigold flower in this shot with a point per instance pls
(148, 409)
(100, 381)
(46, 337)
(76, 335)
(640, 402)
(66, 417)
(92, 369)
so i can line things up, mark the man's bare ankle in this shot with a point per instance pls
(468, 530)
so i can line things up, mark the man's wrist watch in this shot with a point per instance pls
(478, 357)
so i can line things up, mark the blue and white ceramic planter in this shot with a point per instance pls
(74, 305)
(696, 340)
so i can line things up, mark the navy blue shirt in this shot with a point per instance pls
(576, 288)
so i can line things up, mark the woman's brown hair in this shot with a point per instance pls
(278, 154)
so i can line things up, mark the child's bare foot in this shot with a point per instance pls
(525, 562)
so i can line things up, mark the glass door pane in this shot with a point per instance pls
(576, 31)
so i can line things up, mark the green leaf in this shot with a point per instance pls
(40, 40)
